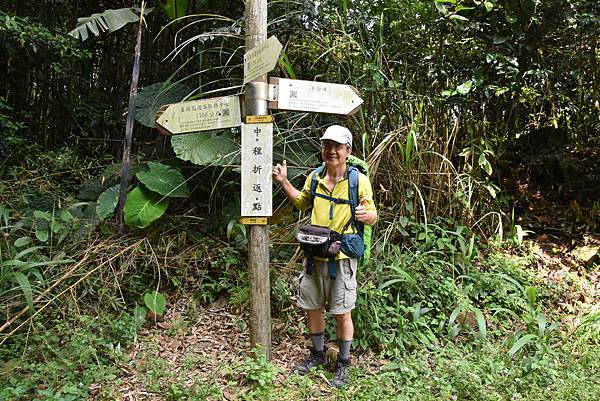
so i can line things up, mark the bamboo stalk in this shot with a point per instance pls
(130, 117)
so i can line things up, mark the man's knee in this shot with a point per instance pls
(344, 318)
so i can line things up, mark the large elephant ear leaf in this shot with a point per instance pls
(109, 20)
(150, 98)
(207, 149)
(143, 207)
(165, 180)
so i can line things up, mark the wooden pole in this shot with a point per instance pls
(258, 238)
(130, 117)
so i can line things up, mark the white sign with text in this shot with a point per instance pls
(201, 115)
(261, 59)
(257, 165)
(313, 96)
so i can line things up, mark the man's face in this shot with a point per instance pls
(334, 153)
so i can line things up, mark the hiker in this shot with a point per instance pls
(329, 283)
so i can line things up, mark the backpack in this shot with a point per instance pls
(355, 165)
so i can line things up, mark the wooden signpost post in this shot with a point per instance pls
(257, 144)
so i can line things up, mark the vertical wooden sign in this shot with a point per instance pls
(257, 164)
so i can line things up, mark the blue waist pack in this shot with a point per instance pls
(353, 245)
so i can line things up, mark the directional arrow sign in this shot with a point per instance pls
(199, 115)
(261, 59)
(320, 97)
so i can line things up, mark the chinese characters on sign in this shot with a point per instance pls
(261, 59)
(313, 96)
(257, 161)
(201, 115)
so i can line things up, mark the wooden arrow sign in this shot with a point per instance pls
(199, 115)
(318, 97)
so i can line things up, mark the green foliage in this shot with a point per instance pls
(588, 330)
(62, 359)
(107, 21)
(148, 201)
(430, 292)
(206, 149)
(22, 262)
(258, 370)
(223, 276)
(164, 180)
(107, 202)
(9, 128)
(174, 8)
(156, 302)
(143, 207)
(150, 98)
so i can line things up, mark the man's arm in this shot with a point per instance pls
(280, 175)
(362, 215)
(365, 212)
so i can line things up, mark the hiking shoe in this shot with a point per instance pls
(316, 358)
(342, 373)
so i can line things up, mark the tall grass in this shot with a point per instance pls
(426, 159)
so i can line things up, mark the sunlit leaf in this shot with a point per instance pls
(478, 77)
(110, 20)
(26, 288)
(480, 323)
(531, 294)
(441, 8)
(175, 8)
(464, 88)
(143, 207)
(41, 234)
(22, 241)
(206, 149)
(526, 339)
(164, 179)
(457, 17)
(498, 40)
(156, 302)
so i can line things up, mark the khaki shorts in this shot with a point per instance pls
(318, 291)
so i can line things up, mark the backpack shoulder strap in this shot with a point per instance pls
(313, 182)
(353, 178)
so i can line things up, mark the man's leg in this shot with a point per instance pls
(316, 327)
(345, 333)
(311, 298)
(344, 299)
(317, 357)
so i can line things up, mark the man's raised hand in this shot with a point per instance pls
(280, 172)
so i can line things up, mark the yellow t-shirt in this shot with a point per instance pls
(333, 215)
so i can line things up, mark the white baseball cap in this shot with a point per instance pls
(338, 134)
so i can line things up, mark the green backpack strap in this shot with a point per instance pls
(367, 230)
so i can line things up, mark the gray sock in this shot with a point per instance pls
(345, 346)
(318, 341)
